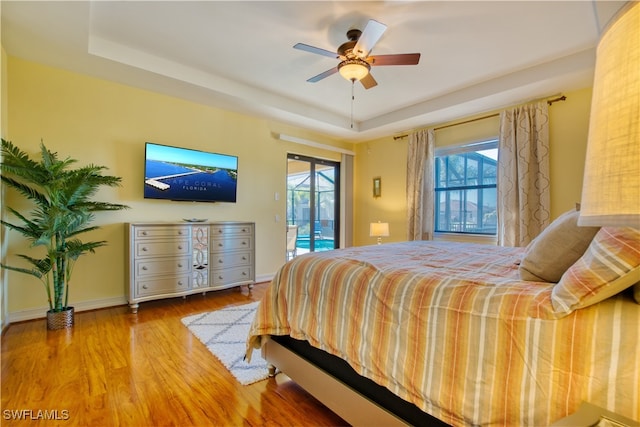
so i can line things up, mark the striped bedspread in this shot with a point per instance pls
(451, 328)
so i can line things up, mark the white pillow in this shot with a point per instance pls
(556, 249)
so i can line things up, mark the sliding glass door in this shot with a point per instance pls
(312, 204)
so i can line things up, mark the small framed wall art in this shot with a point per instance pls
(377, 186)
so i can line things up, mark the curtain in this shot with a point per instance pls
(523, 174)
(420, 194)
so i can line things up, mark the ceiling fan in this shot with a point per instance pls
(355, 62)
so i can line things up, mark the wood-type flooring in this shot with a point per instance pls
(114, 368)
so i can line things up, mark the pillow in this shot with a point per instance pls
(559, 245)
(610, 265)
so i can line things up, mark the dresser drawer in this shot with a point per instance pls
(232, 275)
(171, 266)
(231, 244)
(162, 232)
(224, 260)
(162, 248)
(163, 285)
(231, 229)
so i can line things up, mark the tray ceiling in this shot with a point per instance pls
(238, 55)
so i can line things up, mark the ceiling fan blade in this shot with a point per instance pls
(369, 37)
(398, 59)
(323, 75)
(368, 81)
(315, 50)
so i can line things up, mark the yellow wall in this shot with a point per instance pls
(96, 121)
(569, 127)
(100, 122)
(386, 157)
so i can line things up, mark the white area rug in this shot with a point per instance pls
(224, 332)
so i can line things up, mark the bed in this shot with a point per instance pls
(453, 332)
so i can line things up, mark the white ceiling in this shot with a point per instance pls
(476, 55)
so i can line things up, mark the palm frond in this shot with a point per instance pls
(43, 265)
(30, 271)
(32, 229)
(82, 230)
(28, 191)
(51, 163)
(18, 163)
(101, 206)
(75, 247)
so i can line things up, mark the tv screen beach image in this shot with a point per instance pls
(190, 175)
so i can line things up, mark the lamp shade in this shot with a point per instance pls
(354, 69)
(379, 229)
(611, 187)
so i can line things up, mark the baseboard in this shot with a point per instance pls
(40, 313)
(5, 326)
(265, 277)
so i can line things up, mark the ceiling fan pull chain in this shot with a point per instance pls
(353, 83)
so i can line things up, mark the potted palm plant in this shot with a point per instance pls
(62, 210)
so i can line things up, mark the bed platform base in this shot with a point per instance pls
(347, 403)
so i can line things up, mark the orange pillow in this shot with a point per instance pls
(610, 264)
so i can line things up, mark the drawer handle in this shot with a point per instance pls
(179, 232)
(179, 282)
(144, 249)
(244, 243)
(180, 264)
(144, 267)
(144, 233)
(220, 277)
(244, 258)
(244, 273)
(220, 261)
(244, 230)
(220, 245)
(220, 231)
(180, 247)
(145, 287)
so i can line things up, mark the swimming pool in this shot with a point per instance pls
(320, 244)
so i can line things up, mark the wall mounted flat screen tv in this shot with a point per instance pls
(175, 173)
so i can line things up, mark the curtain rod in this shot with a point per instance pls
(560, 98)
(551, 101)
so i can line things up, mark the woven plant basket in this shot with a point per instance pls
(60, 319)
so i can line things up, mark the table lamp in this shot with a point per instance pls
(379, 230)
(611, 187)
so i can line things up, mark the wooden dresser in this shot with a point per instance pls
(169, 259)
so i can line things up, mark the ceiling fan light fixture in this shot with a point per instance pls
(354, 69)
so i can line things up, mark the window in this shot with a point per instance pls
(465, 189)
